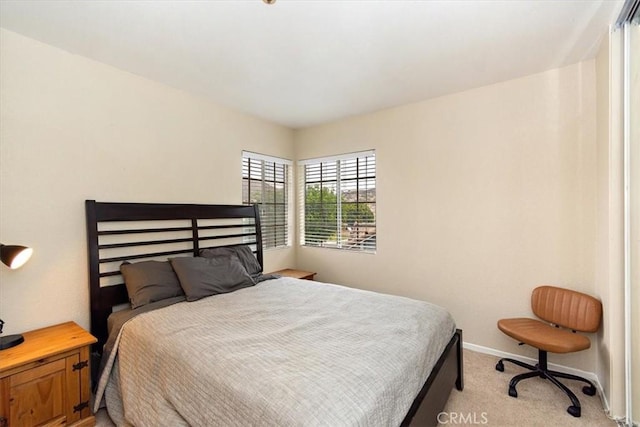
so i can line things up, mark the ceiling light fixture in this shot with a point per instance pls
(269, 1)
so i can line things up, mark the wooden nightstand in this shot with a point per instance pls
(45, 380)
(297, 274)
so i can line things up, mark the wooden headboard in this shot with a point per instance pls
(118, 232)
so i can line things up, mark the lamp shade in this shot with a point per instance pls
(15, 256)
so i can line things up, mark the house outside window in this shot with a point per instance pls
(338, 202)
(266, 181)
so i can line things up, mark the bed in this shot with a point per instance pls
(281, 352)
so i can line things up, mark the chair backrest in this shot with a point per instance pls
(567, 308)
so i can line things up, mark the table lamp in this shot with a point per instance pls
(13, 256)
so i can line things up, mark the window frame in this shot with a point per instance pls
(339, 173)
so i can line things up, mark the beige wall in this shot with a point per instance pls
(482, 195)
(74, 129)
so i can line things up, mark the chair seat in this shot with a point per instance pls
(543, 336)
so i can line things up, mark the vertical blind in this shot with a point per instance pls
(266, 182)
(338, 201)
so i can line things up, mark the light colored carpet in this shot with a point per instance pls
(539, 403)
(485, 402)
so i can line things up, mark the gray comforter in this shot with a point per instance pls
(285, 352)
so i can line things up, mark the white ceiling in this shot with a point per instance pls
(301, 63)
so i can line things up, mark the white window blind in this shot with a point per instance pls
(338, 201)
(266, 182)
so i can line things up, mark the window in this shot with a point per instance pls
(266, 182)
(338, 202)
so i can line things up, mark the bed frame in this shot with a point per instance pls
(118, 232)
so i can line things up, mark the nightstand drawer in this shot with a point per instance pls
(39, 372)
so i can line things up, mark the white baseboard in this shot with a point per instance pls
(561, 368)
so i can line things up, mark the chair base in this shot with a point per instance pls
(541, 370)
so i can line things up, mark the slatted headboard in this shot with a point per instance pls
(118, 232)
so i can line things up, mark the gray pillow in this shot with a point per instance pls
(244, 254)
(201, 277)
(150, 281)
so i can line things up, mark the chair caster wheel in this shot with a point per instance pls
(589, 390)
(500, 366)
(514, 393)
(574, 410)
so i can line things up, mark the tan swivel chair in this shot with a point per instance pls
(559, 308)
